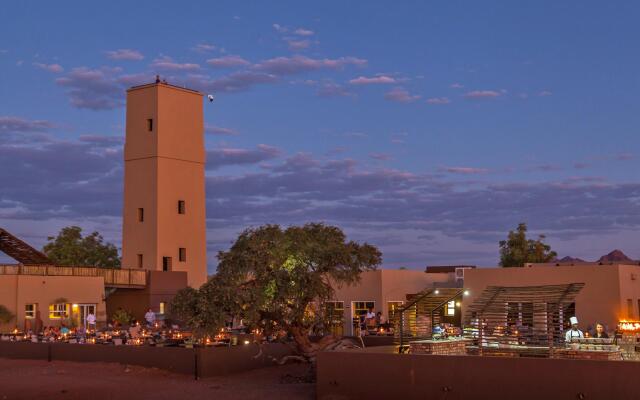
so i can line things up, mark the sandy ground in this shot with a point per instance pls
(31, 379)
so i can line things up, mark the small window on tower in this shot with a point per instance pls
(182, 254)
(181, 207)
(166, 263)
(140, 262)
(140, 214)
(150, 124)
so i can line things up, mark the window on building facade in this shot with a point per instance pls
(140, 261)
(392, 309)
(162, 307)
(181, 207)
(182, 254)
(150, 124)
(58, 310)
(450, 308)
(140, 214)
(335, 317)
(166, 264)
(30, 310)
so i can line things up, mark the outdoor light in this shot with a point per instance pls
(437, 291)
(246, 342)
(75, 306)
(458, 304)
(466, 293)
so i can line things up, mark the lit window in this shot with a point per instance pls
(162, 305)
(140, 214)
(451, 308)
(181, 207)
(58, 311)
(182, 254)
(150, 124)
(30, 311)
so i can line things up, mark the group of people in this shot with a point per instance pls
(575, 333)
(372, 322)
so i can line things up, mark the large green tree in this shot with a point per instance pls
(69, 247)
(277, 280)
(518, 250)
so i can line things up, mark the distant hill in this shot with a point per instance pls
(615, 256)
(568, 259)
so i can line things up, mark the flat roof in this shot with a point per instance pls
(445, 268)
(146, 85)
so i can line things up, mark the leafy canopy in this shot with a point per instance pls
(518, 250)
(71, 248)
(277, 279)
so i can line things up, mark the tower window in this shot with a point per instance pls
(166, 264)
(140, 214)
(150, 124)
(163, 305)
(140, 262)
(181, 207)
(182, 254)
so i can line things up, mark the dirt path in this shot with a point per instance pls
(30, 379)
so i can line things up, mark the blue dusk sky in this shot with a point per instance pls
(426, 128)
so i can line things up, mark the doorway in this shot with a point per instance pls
(82, 311)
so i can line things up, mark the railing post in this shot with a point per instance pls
(401, 331)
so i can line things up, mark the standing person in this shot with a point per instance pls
(574, 332)
(91, 321)
(600, 332)
(150, 317)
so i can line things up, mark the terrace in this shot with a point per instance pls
(113, 277)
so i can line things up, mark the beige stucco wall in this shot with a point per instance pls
(383, 286)
(18, 290)
(162, 167)
(603, 298)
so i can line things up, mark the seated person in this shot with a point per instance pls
(134, 330)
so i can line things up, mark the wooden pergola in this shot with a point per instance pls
(20, 251)
(415, 319)
(522, 320)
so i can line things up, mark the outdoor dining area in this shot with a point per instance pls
(529, 321)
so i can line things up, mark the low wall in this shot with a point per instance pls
(375, 374)
(200, 362)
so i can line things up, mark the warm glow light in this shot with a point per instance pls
(466, 293)
(246, 342)
(458, 304)
(75, 306)
(629, 326)
(437, 291)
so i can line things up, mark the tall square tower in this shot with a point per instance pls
(164, 227)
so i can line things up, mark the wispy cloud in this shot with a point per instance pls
(217, 158)
(204, 48)
(303, 32)
(464, 170)
(456, 86)
(381, 79)
(218, 130)
(228, 62)
(380, 156)
(296, 45)
(95, 89)
(12, 124)
(299, 64)
(545, 93)
(55, 68)
(482, 94)
(166, 63)
(438, 100)
(401, 95)
(124, 54)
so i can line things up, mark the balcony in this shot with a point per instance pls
(113, 277)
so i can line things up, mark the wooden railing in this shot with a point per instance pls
(112, 276)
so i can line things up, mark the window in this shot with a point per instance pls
(58, 310)
(30, 311)
(140, 260)
(162, 306)
(140, 214)
(335, 316)
(629, 308)
(451, 308)
(393, 309)
(181, 207)
(182, 254)
(166, 263)
(150, 124)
